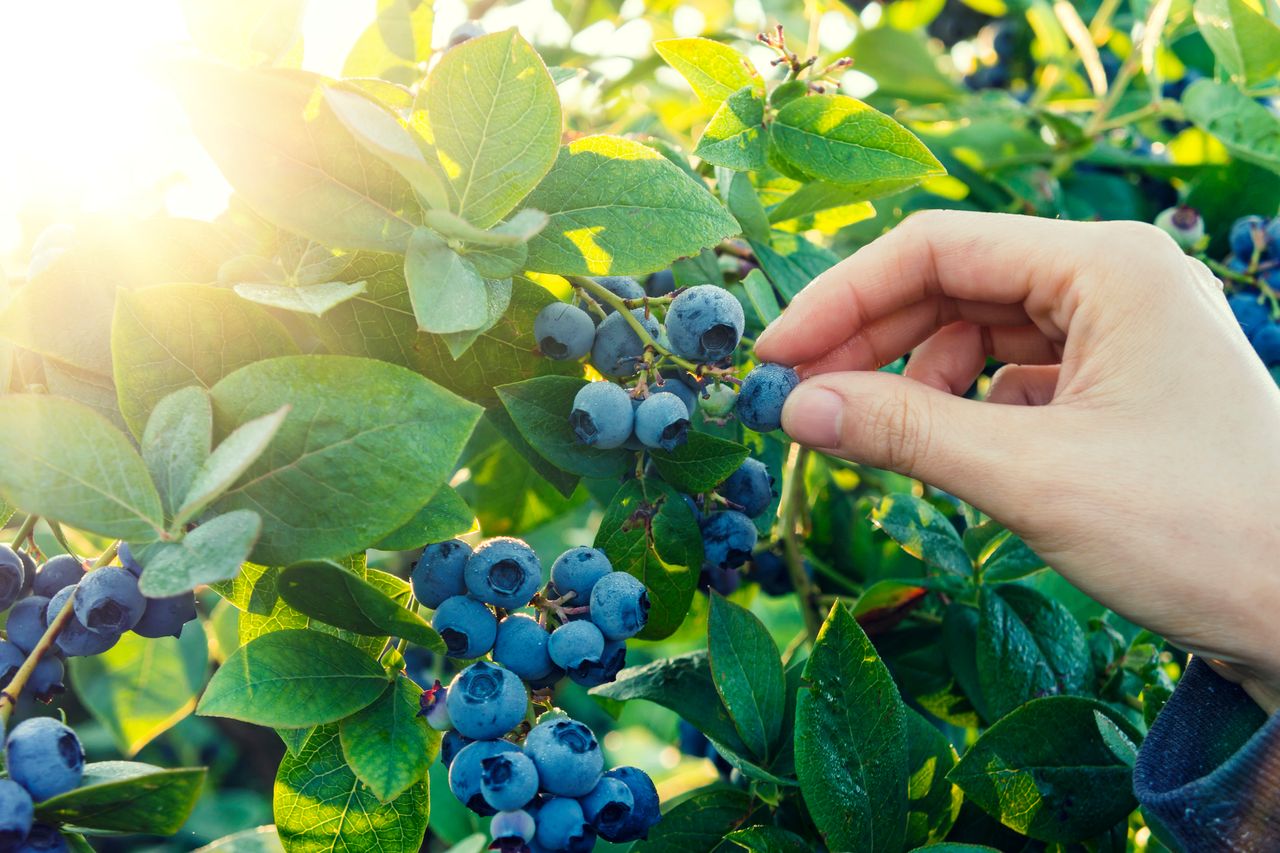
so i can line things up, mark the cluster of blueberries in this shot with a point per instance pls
(552, 793)
(729, 534)
(107, 603)
(44, 759)
(703, 324)
(1255, 250)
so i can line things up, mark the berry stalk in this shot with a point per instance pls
(603, 294)
(25, 530)
(790, 515)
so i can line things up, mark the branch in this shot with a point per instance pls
(25, 530)
(790, 514)
(603, 294)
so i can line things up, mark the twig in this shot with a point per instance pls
(790, 511)
(25, 530)
(604, 294)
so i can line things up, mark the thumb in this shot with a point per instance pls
(968, 448)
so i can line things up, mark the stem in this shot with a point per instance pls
(790, 514)
(9, 696)
(61, 537)
(604, 294)
(25, 530)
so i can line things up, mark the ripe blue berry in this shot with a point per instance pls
(45, 757)
(522, 647)
(508, 781)
(612, 660)
(27, 622)
(1250, 313)
(660, 283)
(12, 577)
(465, 772)
(673, 385)
(762, 394)
(618, 350)
(128, 560)
(564, 331)
(504, 572)
(109, 602)
(1272, 233)
(562, 826)
(567, 755)
(44, 839)
(645, 812)
(434, 705)
(1245, 234)
(467, 627)
(621, 286)
(75, 640)
(723, 580)
(28, 572)
(728, 538)
(608, 806)
(46, 678)
(750, 487)
(619, 606)
(16, 813)
(577, 571)
(705, 323)
(1266, 342)
(486, 701)
(450, 745)
(439, 572)
(602, 415)
(662, 421)
(576, 643)
(770, 571)
(57, 574)
(11, 660)
(165, 617)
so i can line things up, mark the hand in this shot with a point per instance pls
(1132, 440)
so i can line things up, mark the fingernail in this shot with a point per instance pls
(812, 416)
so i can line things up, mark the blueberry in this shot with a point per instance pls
(672, 385)
(660, 283)
(75, 640)
(57, 574)
(1266, 342)
(11, 660)
(576, 643)
(508, 781)
(645, 812)
(691, 741)
(621, 286)
(612, 660)
(750, 487)
(763, 392)
(438, 574)
(513, 830)
(718, 399)
(1183, 224)
(567, 755)
(109, 601)
(434, 705)
(562, 826)
(450, 745)
(577, 571)
(45, 757)
(13, 577)
(46, 678)
(705, 323)
(522, 647)
(486, 701)
(16, 813)
(723, 580)
(128, 560)
(564, 331)
(619, 606)
(27, 622)
(28, 572)
(770, 571)
(608, 806)
(618, 350)
(44, 839)
(602, 415)
(467, 627)
(1272, 233)
(466, 768)
(551, 679)
(662, 421)
(1245, 232)
(504, 572)
(728, 538)
(1251, 314)
(464, 32)
(165, 617)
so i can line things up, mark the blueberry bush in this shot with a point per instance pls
(432, 497)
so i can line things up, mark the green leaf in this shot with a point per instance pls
(125, 796)
(176, 443)
(1244, 40)
(517, 230)
(735, 136)
(840, 140)
(744, 203)
(140, 688)
(513, 489)
(387, 745)
(684, 685)
(446, 291)
(245, 32)
(393, 45)
(700, 464)
(761, 295)
(325, 591)
(813, 199)
(540, 409)
(933, 802)
(293, 679)
(851, 741)
(212, 552)
(1245, 127)
(320, 804)
(313, 299)
(168, 337)
(495, 114)
(747, 673)
(649, 532)
(768, 839)
(279, 144)
(497, 296)
(1029, 646)
(602, 192)
(350, 467)
(61, 460)
(262, 839)
(960, 644)
(1120, 744)
(1046, 771)
(714, 70)
(231, 458)
(792, 262)
(1008, 558)
(923, 532)
(445, 516)
(903, 64)
(698, 824)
